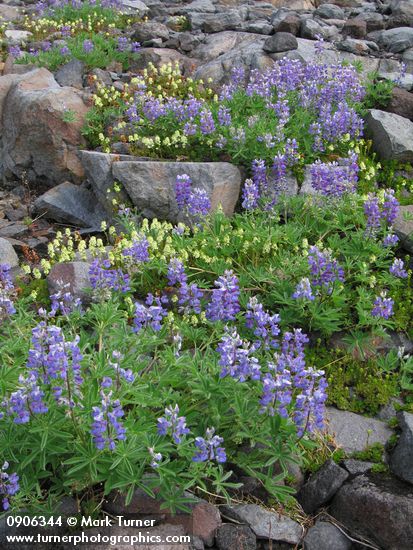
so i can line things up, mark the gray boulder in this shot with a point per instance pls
(8, 255)
(215, 22)
(234, 537)
(397, 40)
(326, 536)
(378, 508)
(151, 185)
(71, 74)
(321, 487)
(329, 11)
(266, 525)
(354, 432)
(403, 226)
(280, 42)
(392, 135)
(69, 203)
(401, 461)
(42, 125)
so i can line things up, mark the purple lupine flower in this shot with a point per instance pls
(382, 306)
(276, 391)
(63, 301)
(105, 280)
(309, 407)
(390, 240)
(292, 154)
(138, 252)
(224, 116)
(224, 304)
(65, 31)
(391, 206)
(9, 485)
(123, 44)
(25, 401)
(106, 428)
(304, 290)
(15, 51)
(198, 203)
(325, 270)
(183, 187)
(46, 46)
(209, 448)
(88, 46)
(56, 362)
(189, 296)
(64, 51)
(397, 269)
(155, 458)
(333, 180)
(7, 292)
(235, 358)
(135, 47)
(126, 374)
(380, 213)
(250, 195)
(149, 314)
(264, 325)
(173, 424)
(259, 175)
(206, 122)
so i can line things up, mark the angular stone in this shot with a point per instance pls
(265, 524)
(357, 467)
(259, 27)
(98, 170)
(401, 461)
(17, 36)
(74, 274)
(401, 103)
(247, 52)
(326, 536)
(403, 226)
(37, 138)
(311, 29)
(357, 28)
(397, 40)
(329, 11)
(215, 22)
(280, 42)
(151, 185)
(321, 487)
(151, 29)
(401, 14)
(235, 537)
(378, 508)
(135, 6)
(358, 47)
(71, 74)
(290, 23)
(392, 135)
(69, 203)
(7, 254)
(353, 432)
(205, 520)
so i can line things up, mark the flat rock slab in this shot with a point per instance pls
(353, 432)
(151, 185)
(69, 203)
(326, 536)
(392, 135)
(265, 524)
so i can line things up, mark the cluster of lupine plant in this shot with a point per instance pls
(137, 380)
(258, 117)
(87, 31)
